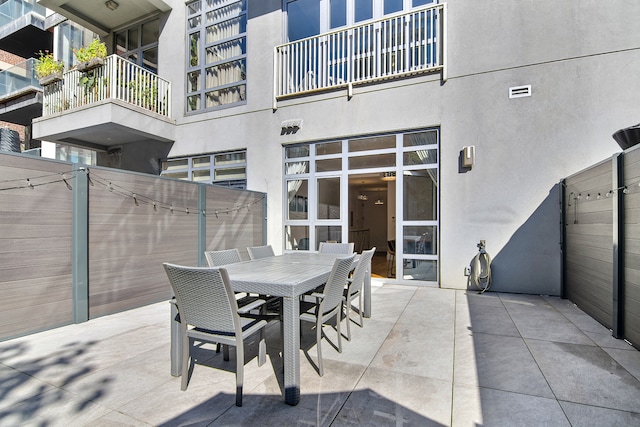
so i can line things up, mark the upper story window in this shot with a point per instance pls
(217, 54)
(139, 44)
(306, 18)
(226, 169)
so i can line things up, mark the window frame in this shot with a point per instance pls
(211, 167)
(202, 66)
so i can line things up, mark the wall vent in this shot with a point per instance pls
(519, 91)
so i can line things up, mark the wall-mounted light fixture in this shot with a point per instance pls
(388, 176)
(111, 5)
(468, 156)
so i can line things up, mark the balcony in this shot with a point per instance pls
(118, 102)
(20, 94)
(102, 19)
(22, 28)
(394, 47)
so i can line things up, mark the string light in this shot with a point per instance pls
(138, 199)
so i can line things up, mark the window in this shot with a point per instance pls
(306, 18)
(303, 18)
(217, 54)
(139, 44)
(225, 169)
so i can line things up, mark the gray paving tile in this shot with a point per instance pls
(473, 406)
(388, 303)
(117, 419)
(425, 351)
(16, 386)
(499, 362)
(585, 415)
(385, 398)
(629, 358)
(537, 319)
(54, 407)
(474, 318)
(475, 298)
(586, 374)
(120, 383)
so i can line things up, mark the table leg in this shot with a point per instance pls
(366, 312)
(291, 356)
(176, 341)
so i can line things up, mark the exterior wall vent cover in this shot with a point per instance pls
(519, 91)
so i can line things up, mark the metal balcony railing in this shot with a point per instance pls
(118, 79)
(392, 47)
(14, 9)
(18, 79)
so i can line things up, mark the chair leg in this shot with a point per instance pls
(186, 351)
(318, 340)
(225, 352)
(239, 371)
(338, 322)
(262, 349)
(347, 310)
(360, 308)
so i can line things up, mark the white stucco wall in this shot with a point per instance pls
(581, 58)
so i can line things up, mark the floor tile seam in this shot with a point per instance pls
(368, 366)
(520, 393)
(599, 407)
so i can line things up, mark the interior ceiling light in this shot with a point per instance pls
(388, 176)
(111, 5)
(362, 196)
(379, 202)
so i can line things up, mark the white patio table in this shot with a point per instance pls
(287, 276)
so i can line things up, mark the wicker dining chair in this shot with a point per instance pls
(257, 252)
(209, 313)
(222, 257)
(336, 248)
(354, 287)
(328, 304)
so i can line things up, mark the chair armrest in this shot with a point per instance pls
(246, 308)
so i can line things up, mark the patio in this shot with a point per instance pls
(427, 356)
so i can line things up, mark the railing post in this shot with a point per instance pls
(276, 78)
(80, 245)
(443, 41)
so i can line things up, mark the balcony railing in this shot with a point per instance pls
(392, 47)
(14, 9)
(18, 79)
(116, 79)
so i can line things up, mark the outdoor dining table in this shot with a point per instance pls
(288, 276)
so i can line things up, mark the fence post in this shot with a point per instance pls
(80, 245)
(617, 313)
(202, 224)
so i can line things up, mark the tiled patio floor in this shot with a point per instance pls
(426, 357)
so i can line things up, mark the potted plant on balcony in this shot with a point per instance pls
(90, 57)
(48, 69)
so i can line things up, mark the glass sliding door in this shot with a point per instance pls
(336, 190)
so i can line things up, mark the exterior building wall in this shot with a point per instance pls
(8, 59)
(584, 88)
